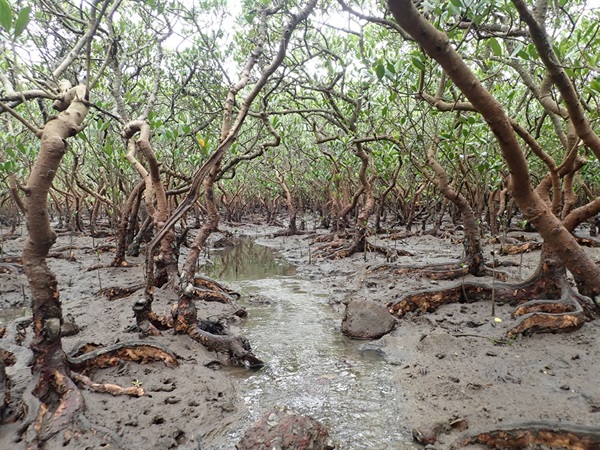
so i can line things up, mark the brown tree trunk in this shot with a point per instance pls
(436, 44)
(474, 260)
(166, 260)
(50, 363)
(210, 225)
(381, 206)
(126, 223)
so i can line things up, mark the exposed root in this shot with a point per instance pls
(106, 388)
(444, 271)
(49, 422)
(213, 285)
(138, 351)
(115, 293)
(236, 347)
(518, 249)
(55, 405)
(339, 248)
(333, 237)
(42, 423)
(11, 260)
(543, 316)
(567, 314)
(527, 435)
(289, 232)
(6, 358)
(588, 241)
(390, 253)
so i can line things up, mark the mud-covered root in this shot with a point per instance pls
(106, 388)
(444, 271)
(141, 352)
(53, 418)
(518, 249)
(530, 435)
(205, 332)
(340, 248)
(207, 287)
(544, 316)
(6, 358)
(116, 292)
(236, 347)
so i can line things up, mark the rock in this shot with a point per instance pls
(365, 319)
(281, 429)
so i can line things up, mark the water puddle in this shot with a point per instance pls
(312, 368)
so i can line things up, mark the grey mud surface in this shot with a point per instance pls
(448, 365)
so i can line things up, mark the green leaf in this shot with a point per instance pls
(533, 51)
(22, 21)
(5, 15)
(495, 46)
(418, 63)
(595, 84)
(379, 70)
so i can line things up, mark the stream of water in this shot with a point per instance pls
(312, 368)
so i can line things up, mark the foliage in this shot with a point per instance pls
(343, 57)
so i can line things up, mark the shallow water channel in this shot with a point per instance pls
(311, 367)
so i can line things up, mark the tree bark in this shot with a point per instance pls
(50, 362)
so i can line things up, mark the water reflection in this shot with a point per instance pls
(312, 368)
(247, 261)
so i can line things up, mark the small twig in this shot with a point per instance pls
(20, 118)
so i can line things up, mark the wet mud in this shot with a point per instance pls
(440, 374)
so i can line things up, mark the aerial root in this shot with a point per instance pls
(549, 435)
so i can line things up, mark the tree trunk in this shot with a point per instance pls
(50, 363)
(436, 45)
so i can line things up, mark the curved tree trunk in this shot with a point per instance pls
(474, 260)
(50, 362)
(436, 44)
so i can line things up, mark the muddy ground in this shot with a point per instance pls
(452, 366)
